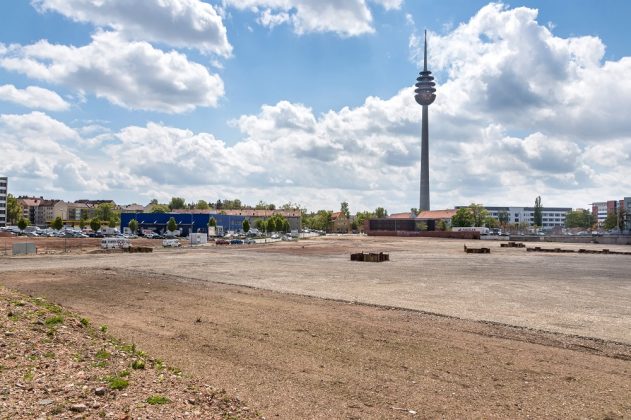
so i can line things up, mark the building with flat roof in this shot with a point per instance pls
(551, 217)
(4, 185)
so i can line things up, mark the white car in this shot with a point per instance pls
(171, 243)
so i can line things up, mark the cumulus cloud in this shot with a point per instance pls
(179, 23)
(503, 66)
(346, 18)
(509, 123)
(33, 97)
(134, 75)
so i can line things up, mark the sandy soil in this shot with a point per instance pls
(252, 320)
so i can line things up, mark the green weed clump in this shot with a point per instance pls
(117, 383)
(157, 399)
(54, 320)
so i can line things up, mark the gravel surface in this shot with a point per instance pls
(586, 295)
(57, 364)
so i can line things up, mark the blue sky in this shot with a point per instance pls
(308, 101)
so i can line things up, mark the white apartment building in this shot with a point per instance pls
(4, 181)
(550, 216)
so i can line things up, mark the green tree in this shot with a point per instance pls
(106, 211)
(153, 201)
(538, 214)
(479, 214)
(611, 221)
(202, 205)
(441, 225)
(177, 203)
(260, 225)
(414, 211)
(14, 209)
(95, 224)
(344, 209)
(380, 212)
(354, 225)
(491, 222)
(22, 223)
(57, 224)
(171, 225)
(270, 225)
(360, 217)
(462, 218)
(212, 222)
(160, 208)
(83, 222)
(133, 225)
(245, 225)
(578, 219)
(285, 225)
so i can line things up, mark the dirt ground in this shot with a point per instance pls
(289, 353)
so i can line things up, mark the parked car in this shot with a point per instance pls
(249, 241)
(222, 242)
(236, 242)
(172, 243)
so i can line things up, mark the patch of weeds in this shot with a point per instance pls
(103, 354)
(138, 364)
(54, 320)
(78, 357)
(49, 355)
(32, 357)
(116, 382)
(157, 399)
(58, 409)
(28, 376)
(13, 316)
(18, 302)
(129, 348)
(84, 321)
(103, 328)
(158, 364)
(123, 373)
(174, 370)
(100, 364)
(51, 332)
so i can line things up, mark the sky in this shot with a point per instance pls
(311, 101)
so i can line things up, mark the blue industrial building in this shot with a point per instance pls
(197, 222)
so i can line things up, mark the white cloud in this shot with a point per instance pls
(346, 18)
(33, 97)
(133, 75)
(179, 23)
(519, 113)
(389, 4)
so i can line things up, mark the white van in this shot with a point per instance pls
(174, 243)
(115, 243)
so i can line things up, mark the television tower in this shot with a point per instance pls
(425, 95)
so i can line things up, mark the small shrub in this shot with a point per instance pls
(49, 355)
(84, 321)
(102, 354)
(54, 320)
(103, 328)
(123, 373)
(157, 399)
(115, 382)
(100, 364)
(138, 364)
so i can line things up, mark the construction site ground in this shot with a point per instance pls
(297, 330)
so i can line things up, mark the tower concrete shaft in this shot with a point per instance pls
(424, 203)
(425, 94)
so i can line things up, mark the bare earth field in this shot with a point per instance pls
(527, 334)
